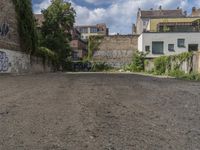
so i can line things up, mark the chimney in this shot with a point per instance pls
(160, 7)
(185, 13)
(134, 29)
(193, 9)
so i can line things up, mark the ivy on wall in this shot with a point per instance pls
(93, 44)
(26, 25)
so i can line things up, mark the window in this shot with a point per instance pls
(93, 30)
(158, 47)
(147, 48)
(171, 47)
(75, 55)
(84, 30)
(181, 43)
(193, 47)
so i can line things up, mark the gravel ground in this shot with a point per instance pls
(98, 112)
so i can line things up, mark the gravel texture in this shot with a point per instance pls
(63, 111)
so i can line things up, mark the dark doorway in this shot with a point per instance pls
(192, 47)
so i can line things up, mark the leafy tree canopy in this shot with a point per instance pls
(59, 19)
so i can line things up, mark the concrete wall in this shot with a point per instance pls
(116, 50)
(38, 65)
(146, 39)
(16, 62)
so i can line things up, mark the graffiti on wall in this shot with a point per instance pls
(4, 29)
(4, 62)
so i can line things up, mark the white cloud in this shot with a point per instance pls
(120, 14)
(43, 5)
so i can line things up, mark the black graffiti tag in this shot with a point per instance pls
(4, 62)
(4, 29)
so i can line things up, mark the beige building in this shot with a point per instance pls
(92, 30)
(144, 16)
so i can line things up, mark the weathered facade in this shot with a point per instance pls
(12, 59)
(79, 47)
(9, 37)
(117, 50)
(143, 17)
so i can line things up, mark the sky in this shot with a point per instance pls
(119, 15)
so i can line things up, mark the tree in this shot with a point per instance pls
(59, 19)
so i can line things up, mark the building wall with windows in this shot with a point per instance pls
(159, 44)
(92, 30)
(143, 17)
(79, 47)
(153, 23)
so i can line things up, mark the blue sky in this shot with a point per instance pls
(119, 15)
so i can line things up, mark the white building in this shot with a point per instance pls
(159, 44)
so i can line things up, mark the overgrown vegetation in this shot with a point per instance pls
(55, 33)
(93, 44)
(46, 53)
(137, 64)
(166, 64)
(100, 66)
(161, 65)
(26, 25)
(182, 75)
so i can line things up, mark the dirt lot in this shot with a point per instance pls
(98, 112)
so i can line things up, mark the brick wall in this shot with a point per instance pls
(117, 50)
(9, 38)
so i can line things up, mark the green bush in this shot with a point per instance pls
(182, 75)
(101, 66)
(192, 76)
(161, 64)
(137, 64)
(176, 73)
